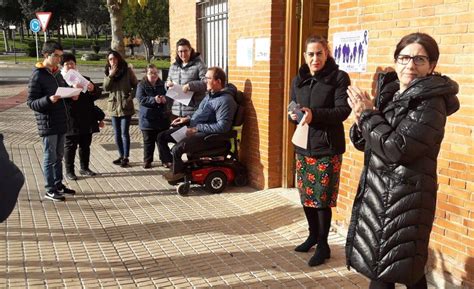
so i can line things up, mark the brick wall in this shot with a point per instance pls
(182, 23)
(451, 23)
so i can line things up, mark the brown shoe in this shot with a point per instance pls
(147, 165)
(170, 177)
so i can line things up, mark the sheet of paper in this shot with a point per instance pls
(73, 77)
(66, 92)
(176, 92)
(180, 134)
(300, 136)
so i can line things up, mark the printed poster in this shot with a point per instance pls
(350, 50)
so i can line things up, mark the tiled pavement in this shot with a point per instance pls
(128, 228)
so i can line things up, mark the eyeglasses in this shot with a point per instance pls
(417, 59)
(312, 54)
(56, 55)
(152, 73)
(183, 51)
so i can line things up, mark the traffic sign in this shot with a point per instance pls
(35, 25)
(44, 17)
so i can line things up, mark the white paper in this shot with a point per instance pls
(176, 92)
(262, 49)
(180, 134)
(244, 52)
(300, 136)
(73, 77)
(66, 92)
(350, 50)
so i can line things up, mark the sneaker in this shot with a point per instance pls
(71, 176)
(87, 172)
(124, 163)
(63, 190)
(54, 196)
(170, 177)
(147, 165)
(117, 161)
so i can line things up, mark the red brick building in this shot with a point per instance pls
(259, 44)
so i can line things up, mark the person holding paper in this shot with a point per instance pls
(319, 91)
(82, 121)
(51, 112)
(188, 71)
(153, 112)
(214, 115)
(121, 83)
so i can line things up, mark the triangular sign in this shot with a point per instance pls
(44, 17)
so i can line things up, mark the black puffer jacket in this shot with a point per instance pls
(52, 118)
(83, 119)
(394, 208)
(325, 94)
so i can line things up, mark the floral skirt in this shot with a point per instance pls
(318, 180)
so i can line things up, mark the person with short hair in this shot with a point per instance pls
(82, 123)
(214, 115)
(52, 118)
(153, 112)
(400, 133)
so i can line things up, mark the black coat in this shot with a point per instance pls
(83, 119)
(11, 181)
(153, 115)
(394, 208)
(51, 118)
(325, 94)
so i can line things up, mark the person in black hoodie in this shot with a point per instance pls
(319, 90)
(401, 134)
(82, 123)
(51, 112)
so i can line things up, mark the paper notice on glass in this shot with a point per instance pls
(180, 134)
(176, 92)
(66, 92)
(300, 136)
(73, 77)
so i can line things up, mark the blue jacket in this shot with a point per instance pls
(153, 116)
(216, 111)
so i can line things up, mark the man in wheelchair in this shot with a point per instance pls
(214, 116)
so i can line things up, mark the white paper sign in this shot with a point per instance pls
(180, 134)
(244, 52)
(350, 50)
(300, 136)
(73, 77)
(176, 92)
(262, 49)
(66, 92)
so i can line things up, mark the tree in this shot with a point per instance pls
(10, 14)
(148, 23)
(94, 14)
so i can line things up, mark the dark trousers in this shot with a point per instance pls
(70, 145)
(421, 284)
(150, 137)
(164, 138)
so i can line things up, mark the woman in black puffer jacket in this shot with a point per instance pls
(401, 136)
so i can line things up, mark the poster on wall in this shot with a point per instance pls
(244, 52)
(262, 49)
(350, 50)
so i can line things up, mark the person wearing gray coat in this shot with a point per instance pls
(188, 71)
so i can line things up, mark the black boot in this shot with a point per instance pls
(322, 250)
(312, 218)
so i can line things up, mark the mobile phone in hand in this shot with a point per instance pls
(295, 108)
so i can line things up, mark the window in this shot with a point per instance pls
(212, 32)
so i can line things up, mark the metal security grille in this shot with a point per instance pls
(212, 32)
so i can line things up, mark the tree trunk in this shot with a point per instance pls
(116, 24)
(5, 39)
(148, 44)
(22, 33)
(75, 29)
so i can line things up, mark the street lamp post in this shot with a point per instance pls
(13, 27)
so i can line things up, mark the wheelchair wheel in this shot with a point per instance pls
(240, 180)
(216, 182)
(183, 189)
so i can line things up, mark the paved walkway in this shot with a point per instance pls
(128, 227)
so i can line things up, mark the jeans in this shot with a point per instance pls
(121, 125)
(53, 151)
(72, 141)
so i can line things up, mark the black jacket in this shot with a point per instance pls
(394, 207)
(83, 119)
(153, 116)
(325, 94)
(51, 118)
(11, 181)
